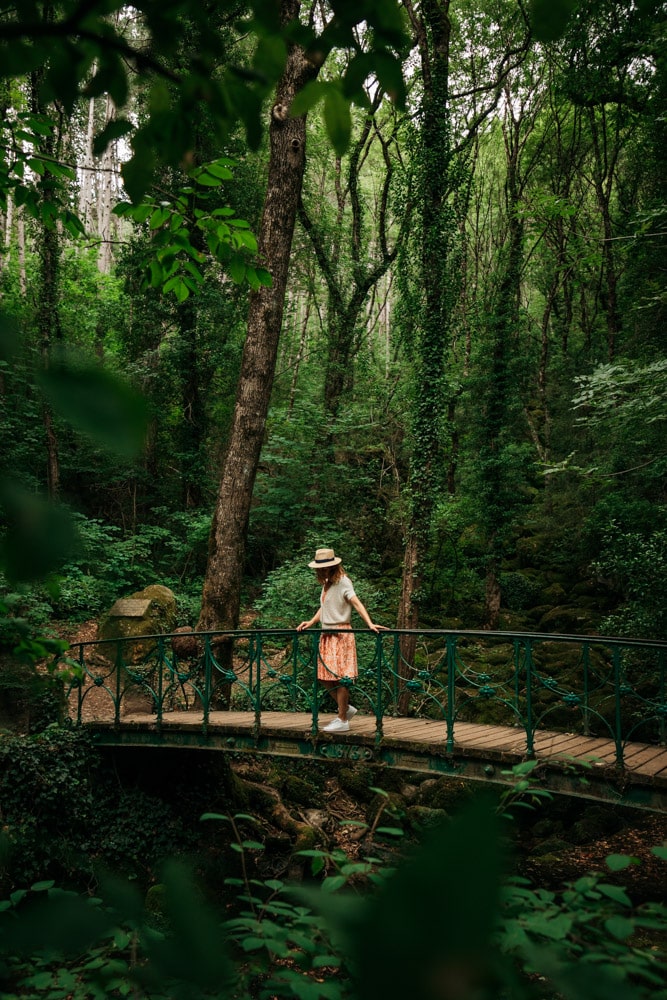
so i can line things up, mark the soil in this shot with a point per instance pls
(645, 879)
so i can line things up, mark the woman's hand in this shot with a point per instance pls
(303, 626)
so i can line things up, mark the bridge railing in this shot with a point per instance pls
(611, 688)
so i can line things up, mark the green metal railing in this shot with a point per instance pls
(612, 688)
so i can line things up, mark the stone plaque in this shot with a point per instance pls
(128, 608)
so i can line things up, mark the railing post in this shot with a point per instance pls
(208, 667)
(160, 685)
(314, 656)
(379, 715)
(662, 728)
(586, 655)
(256, 644)
(119, 668)
(451, 691)
(295, 668)
(530, 741)
(395, 672)
(618, 737)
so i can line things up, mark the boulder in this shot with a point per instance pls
(139, 617)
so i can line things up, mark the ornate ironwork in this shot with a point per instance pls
(606, 687)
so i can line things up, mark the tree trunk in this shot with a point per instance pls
(48, 311)
(437, 229)
(224, 572)
(87, 189)
(105, 197)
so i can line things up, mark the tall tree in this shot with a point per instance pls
(441, 29)
(287, 139)
(221, 595)
(353, 255)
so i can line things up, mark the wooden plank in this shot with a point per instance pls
(635, 754)
(642, 759)
(653, 767)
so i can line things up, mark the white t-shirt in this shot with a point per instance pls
(335, 606)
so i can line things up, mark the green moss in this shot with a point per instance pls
(307, 838)
(357, 781)
(445, 794)
(301, 791)
(422, 818)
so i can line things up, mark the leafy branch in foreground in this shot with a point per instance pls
(445, 923)
(180, 228)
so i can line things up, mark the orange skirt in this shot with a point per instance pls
(337, 656)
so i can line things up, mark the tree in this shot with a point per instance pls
(353, 269)
(443, 183)
(287, 137)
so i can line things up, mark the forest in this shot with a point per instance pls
(384, 276)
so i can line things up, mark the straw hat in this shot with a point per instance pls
(324, 558)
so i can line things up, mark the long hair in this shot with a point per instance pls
(330, 574)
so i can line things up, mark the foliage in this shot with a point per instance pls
(290, 593)
(47, 801)
(85, 49)
(503, 937)
(178, 225)
(637, 565)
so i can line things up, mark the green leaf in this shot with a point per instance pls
(40, 536)
(252, 845)
(270, 56)
(660, 852)
(333, 883)
(337, 120)
(308, 97)
(617, 862)
(615, 892)
(247, 240)
(620, 927)
(115, 129)
(137, 173)
(236, 269)
(390, 75)
(549, 18)
(159, 217)
(98, 404)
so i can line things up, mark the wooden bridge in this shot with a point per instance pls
(591, 711)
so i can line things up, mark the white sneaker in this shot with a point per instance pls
(337, 726)
(351, 712)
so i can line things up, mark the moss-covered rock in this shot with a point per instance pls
(301, 791)
(554, 594)
(391, 806)
(157, 618)
(139, 617)
(546, 828)
(553, 847)
(445, 794)
(597, 823)
(357, 782)
(422, 818)
(307, 838)
(569, 620)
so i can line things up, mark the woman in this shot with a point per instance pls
(338, 652)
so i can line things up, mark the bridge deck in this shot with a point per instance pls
(645, 764)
